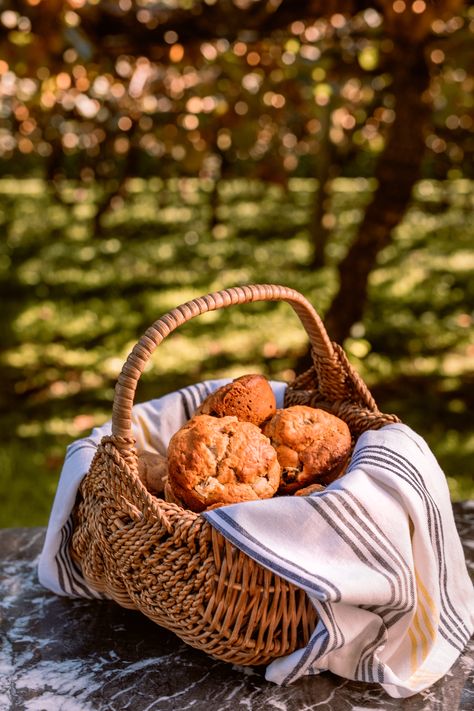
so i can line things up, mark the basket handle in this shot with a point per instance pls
(135, 364)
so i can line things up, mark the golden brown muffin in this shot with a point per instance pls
(170, 498)
(250, 398)
(153, 471)
(214, 460)
(312, 446)
(311, 489)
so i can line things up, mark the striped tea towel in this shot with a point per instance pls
(377, 552)
(379, 556)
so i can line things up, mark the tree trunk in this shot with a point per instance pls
(221, 174)
(127, 168)
(319, 231)
(214, 204)
(104, 205)
(325, 170)
(397, 171)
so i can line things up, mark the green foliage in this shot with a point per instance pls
(268, 103)
(74, 305)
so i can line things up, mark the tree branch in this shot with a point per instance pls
(125, 33)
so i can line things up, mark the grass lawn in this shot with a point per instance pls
(74, 303)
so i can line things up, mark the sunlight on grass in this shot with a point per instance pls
(75, 304)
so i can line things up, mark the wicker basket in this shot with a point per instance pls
(169, 562)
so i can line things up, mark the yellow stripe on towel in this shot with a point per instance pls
(429, 601)
(427, 613)
(424, 677)
(413, 653)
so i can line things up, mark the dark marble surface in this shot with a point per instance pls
(59, 654)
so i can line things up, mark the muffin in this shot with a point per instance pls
(312, 445)
(311, 489)
(153, 471)
(220, 460)
(250, 398)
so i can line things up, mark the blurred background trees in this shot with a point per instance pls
(145, 146)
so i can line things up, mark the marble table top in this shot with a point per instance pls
(59, 654)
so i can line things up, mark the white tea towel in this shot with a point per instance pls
(379, 556)
(153, 424)
(377, 552)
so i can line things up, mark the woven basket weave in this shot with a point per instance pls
(169, 562)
